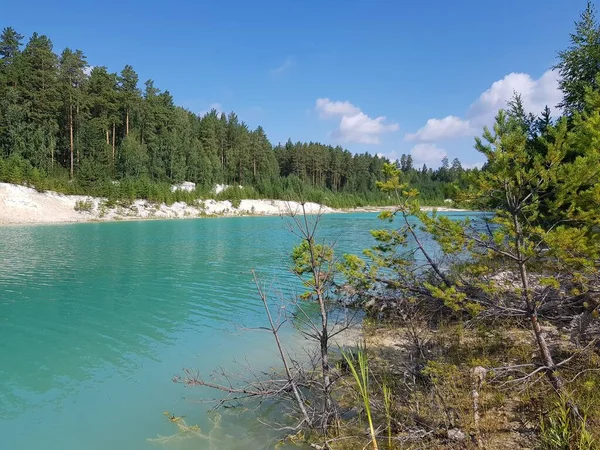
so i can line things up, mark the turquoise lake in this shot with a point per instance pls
(96, 319)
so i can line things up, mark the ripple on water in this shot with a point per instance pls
(96, 318)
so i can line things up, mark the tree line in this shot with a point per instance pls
(72, 127)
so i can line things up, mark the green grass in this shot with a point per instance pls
(360, 372)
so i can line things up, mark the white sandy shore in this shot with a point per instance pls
(24, 205)
(393, 208)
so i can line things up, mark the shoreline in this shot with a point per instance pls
(21, 205)
(377, 209)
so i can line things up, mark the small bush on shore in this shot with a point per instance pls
(84, 205)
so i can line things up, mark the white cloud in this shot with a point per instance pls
(535, 93)
(328, 109)
(355, 126)
(428, 154)
(287, 64)
(436, 129)
(216, 106)
(362, 129)
(88, 70)
(476, 165)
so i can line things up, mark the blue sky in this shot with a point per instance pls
(383, 76)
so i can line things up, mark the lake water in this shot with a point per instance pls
(96, 318)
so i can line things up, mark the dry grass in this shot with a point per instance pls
(429, 371)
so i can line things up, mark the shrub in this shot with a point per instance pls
(84, 205)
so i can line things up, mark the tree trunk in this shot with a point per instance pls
(113, 146)
(323, 333)
(107, 139)
(71, 145)
(545, 353)
(78, 138)
(555, 380)
(127, 122)
(324, 346)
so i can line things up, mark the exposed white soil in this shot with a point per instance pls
(24, 205)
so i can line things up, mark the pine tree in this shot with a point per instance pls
(103, 103)
(262, 157)
(516, 110)
(403, 163)
(10, 49)
(134, 161)
(98, 126)
(39, 87)
(13, 111)
(130, 93)
(71, 76)
(543, 122)
(579, 64)
(208, 135)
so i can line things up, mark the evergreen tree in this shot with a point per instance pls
(10, 49)
(39, 87)
(409, 163)
(403, 166)
(579, 64)
(543, 122)
(134, 161)
(104, 111)
(130, 93)
(99, 127)
(13, 110)
(71, 77)
(516, 110)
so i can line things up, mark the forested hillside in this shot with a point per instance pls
(67, 126)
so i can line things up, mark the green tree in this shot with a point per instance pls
(403, 167)
(263, 159)
(556, 253)
(409, 163)
(71, 77)
(579, 64)
(208, 133)
(130, 93)
(15, 130)
(39, 87)
(55, 115)
(551, 265)
(516, 111)
(10, 49)
(104, 108)
(542, 123)
(134, 159)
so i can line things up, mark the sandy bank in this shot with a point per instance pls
(393, 208)
(24, 205)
